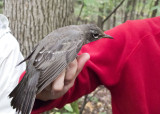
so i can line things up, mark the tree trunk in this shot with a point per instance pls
(32, 20)
(143, 7)
(150, 7)
(155, 11)
(138, 9)
(100, 19)
(129, 3)
(114, 20)
(132, 14)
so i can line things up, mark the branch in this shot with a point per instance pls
(84, 103)
(80, 12)
(112, 12)
(96, 91)
(87, 98)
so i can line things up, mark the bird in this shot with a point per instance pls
(48, 59)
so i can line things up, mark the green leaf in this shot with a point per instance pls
(68, 107)
(102, 113)
(57, 113)
(75, 107)
(67, 113)
(94, 99)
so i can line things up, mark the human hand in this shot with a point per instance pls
(65, 80)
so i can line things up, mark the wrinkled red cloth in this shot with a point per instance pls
(128, 65)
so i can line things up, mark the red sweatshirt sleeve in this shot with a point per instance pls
(107, 66)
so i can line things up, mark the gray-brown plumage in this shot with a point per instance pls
(49, 58)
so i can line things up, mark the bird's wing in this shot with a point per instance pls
(52, 63)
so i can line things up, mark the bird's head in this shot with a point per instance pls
(94, 33)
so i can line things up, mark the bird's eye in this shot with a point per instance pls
(95, 35)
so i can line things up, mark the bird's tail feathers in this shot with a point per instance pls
(23, 96)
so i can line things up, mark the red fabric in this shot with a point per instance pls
(20, 78)
(128, 65)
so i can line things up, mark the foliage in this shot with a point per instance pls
(91, 8)
(68, 108)
(1, 6)
(156, 7)
(130, 9)
(75, 107)
(71, 108)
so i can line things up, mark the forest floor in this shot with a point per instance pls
(99, 102)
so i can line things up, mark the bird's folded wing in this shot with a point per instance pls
(53, 63)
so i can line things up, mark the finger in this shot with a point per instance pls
(71, 71)
(49, 87)
(82, 59)
(58, 84)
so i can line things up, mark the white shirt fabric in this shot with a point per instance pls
(10, 56)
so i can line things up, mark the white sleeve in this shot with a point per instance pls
(10, 56)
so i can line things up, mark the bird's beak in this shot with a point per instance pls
(107, 36)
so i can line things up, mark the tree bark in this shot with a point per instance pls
(100, 19)
(155, 11)
(150, 7)
(129, 3)
(114, 20)
(132, 14)
(32, 20)
(78, 18)
(143, 7)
